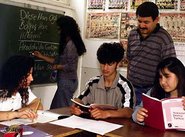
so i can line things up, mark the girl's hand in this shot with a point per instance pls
(37, 54)
(141, 114)
(27, 113)
(57, 67)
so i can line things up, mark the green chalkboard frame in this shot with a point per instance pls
(24, 30)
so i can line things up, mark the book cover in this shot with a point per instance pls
(174, 114)
(100, 106)
(85, 108)
(164, 114)
(155, 112)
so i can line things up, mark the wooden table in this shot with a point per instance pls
(129, 129)
(56, 131)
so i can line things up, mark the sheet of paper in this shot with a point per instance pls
(43, 117)
(95, 126)
(46, 116)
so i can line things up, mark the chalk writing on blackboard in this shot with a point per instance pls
(25, 30)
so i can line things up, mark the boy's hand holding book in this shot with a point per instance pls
(78, 108)
(88, 110)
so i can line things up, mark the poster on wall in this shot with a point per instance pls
(96, 4)
(174, 23)
(167, 4)
(124, 61)
(135, 3)
(118, 4)
(180, 49)
(128, 22)
(103, 25)
(182, 5)
(162, 4)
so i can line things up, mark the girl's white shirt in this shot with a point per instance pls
(14, 102)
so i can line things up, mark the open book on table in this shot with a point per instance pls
(43, 117)
(100, 106)
(164, 114)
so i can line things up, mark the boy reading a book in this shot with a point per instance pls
(169, 83)
(110, 88)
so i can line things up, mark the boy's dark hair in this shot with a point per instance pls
(148, 9)
(110, 53)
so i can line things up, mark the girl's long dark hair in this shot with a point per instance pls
(175, 66)
(13, 76)
(69, 28)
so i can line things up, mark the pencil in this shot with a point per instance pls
(36, 108)
(37, 105)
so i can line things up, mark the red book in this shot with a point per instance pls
(164, 114)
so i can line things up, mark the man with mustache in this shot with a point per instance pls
(147, 46)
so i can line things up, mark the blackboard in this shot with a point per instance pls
(23, 30)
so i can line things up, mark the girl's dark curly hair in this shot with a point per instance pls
(69, 28)
(13, 77)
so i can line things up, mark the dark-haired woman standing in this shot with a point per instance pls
(71, 47)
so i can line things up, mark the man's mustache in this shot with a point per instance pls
(143, 28)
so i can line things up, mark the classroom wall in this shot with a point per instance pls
(88, 64)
